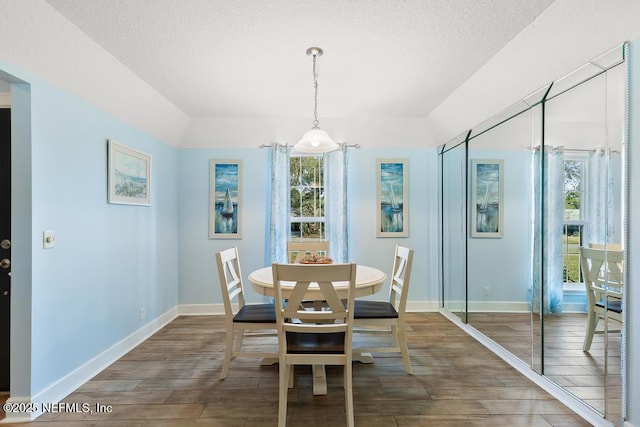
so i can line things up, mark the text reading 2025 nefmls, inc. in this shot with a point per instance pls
(56, 408)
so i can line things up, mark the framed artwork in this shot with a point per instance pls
(129, 176)
(392, 198)
(225, 199)
(487, 198)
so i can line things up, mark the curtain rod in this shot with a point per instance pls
(345, 144)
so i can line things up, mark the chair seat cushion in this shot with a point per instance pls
(614, 305)
(364, 309)
(256, 313)
(310, 343)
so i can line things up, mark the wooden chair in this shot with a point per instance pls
(298, 250)
(609, 246)
(390, 314)
(248, 317)
(602, 271)
(314, 337)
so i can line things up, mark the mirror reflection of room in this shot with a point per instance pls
(541, 201)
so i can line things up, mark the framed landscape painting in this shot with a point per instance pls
(129, 176)
(487, 199)
(225, 196)
(392, 207)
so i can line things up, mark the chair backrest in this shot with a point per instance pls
(401, 277)
(298, 250)
(230, 277)
(602, 271)
(335, 317)
(609, 246)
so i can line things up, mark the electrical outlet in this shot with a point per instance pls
(143, 313)
(486, 291)
(48, 239)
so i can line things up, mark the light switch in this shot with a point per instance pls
(48, 239)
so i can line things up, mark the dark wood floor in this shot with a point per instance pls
(581, 373)
(172, 380)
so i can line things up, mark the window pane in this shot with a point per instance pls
(307, 198)
(572, 206)
(571, 239)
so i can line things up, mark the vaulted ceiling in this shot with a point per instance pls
(383, 58)
(412, 72)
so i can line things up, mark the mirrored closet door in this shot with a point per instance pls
(533, 231)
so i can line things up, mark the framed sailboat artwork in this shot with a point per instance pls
(392, 207)
(487, 198)
(225, 199)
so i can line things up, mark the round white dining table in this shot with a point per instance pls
(369, 281)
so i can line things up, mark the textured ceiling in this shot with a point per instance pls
(224, 58)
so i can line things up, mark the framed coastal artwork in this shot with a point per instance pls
(392, 206)
(129, 176)
(225, 199)
(487, 198)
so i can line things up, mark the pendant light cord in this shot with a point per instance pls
(315, 88)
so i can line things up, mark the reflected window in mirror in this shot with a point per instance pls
(574, 216)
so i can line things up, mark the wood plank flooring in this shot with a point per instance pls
(172, 380)
(581, 373)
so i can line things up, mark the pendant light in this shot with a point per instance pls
(315, 140)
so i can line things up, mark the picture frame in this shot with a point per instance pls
(129, 175)
(392, 208)
(225, 199)
(487, 198)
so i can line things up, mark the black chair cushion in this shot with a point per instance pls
(310, 343)
(256, 313)
(374, 310)
(614, 305)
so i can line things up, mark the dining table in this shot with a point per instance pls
(369, 280)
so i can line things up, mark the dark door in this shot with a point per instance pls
(5, 244)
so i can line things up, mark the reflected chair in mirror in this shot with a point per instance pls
(388, 314)
(608, 246)
(298, 250)
(602, 272)
(248, 317)
(309, 337)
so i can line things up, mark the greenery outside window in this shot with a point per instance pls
(307, 193)
(574, 216)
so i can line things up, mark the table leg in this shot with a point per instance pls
(267, 361)
(357, 356)
(319, 380)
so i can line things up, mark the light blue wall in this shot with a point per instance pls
(109, 260)
(198, 274)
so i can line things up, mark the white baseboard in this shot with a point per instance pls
(63, 387)
(423, 306)
(200, 309)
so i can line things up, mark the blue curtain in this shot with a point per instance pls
(335, 210)
(280, 201)
(548, 226)
(598, 202)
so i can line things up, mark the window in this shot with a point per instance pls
(307, 198)
(574, 173)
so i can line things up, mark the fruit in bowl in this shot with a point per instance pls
(316, 259)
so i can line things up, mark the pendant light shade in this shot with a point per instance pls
(315, 140)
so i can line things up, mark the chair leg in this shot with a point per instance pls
(404, 349)
(348, 394)
(284, 376)
(592, 322)
(228, 349)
